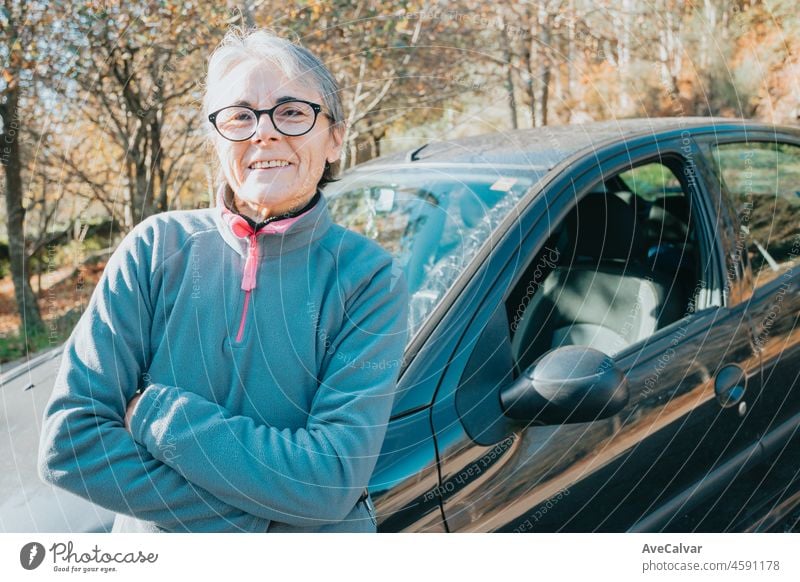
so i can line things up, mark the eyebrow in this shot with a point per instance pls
(277, 101)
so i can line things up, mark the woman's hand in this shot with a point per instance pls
(130, 409)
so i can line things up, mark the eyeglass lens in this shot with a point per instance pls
(291, 118)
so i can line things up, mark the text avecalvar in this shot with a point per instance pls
(671, 549)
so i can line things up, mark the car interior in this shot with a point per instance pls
(619, 267)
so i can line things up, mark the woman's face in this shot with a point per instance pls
(263, 192)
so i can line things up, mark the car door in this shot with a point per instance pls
(758, 173)
(663, 461)
(405, 472)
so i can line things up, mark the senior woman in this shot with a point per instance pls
(236, 366)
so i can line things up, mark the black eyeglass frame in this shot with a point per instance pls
(316, 107)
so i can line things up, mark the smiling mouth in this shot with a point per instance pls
(271, 165)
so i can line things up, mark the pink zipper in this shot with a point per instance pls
(244, 315)
(251, 264)
(248, 279)
(242, 229)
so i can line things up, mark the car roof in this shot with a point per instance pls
(544, 147)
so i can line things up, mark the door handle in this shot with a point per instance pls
(730, 385)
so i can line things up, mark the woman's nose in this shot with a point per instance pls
(265, 129)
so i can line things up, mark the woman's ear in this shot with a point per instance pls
(336, 143)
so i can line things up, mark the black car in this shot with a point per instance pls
(604, 327)
(603, 334)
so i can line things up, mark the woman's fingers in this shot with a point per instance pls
(130, 409)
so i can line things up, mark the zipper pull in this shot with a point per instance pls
(250, 265)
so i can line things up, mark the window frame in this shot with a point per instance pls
(709, 255)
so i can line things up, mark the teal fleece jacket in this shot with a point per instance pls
(267, 361)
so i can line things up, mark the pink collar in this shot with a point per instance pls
(242, 228)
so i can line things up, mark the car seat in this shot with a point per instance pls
(602, 293)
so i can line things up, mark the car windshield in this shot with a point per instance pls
(432, 220)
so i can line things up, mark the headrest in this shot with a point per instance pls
(603, 226)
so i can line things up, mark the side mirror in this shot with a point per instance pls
(567, 385)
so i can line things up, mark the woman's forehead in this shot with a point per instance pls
(257, 84)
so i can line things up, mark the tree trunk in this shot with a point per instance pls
(508, 57)
(141, 200)
(545, 95)
(157, 166)
(544, 64)
(141, 188)
(625, 23)
(573, 85)
(28, 308)
(530, 54)
(377, 136)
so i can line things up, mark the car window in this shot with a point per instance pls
(433, 221)
(762, 180)
(652, 182)
(623, 264)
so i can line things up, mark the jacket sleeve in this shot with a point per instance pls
(84, 446)
(306, 476)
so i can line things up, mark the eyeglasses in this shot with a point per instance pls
(291, 118)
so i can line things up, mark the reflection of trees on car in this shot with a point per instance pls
(763, 179)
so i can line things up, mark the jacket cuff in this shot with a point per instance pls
(147, 411)
(260, 525)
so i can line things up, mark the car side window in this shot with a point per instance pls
(623, 264)
(762, 181)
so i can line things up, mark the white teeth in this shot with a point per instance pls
(269, 164)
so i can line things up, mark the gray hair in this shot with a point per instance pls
(296, 62)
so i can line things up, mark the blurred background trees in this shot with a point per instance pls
(100, 122)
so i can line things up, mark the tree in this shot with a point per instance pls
(22, 24)
(138, 79)
(397, 62)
